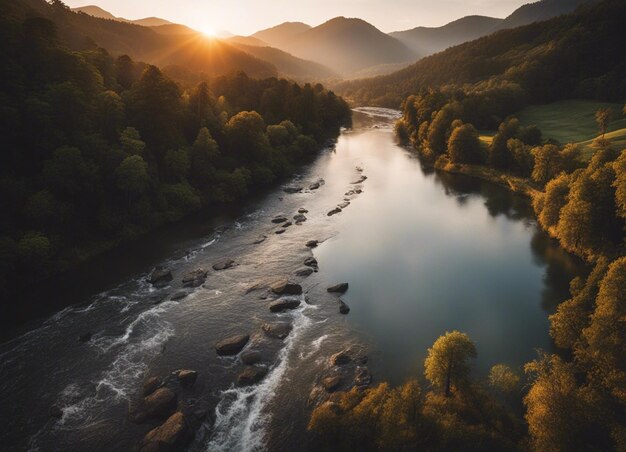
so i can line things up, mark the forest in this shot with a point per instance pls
(98, 150)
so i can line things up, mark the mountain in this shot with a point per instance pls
(163, 46)
(538, 11)
(247, 40)
(287, 64)
(348, 46)
(428, 40)
(575, 55)
(280, 35)
(96, 11)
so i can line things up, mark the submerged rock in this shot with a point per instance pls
(279, 219)
(160, 276)
(340, 359)
(179, 295)
(310, 262)
(292, 189)
(335, 211)
(302, 210)
(312, 243)
(55, 412)
(187, 377)
(359, 180)
(279, 330)
(251, 375)
(260, 240)
(300, 218)
(224, 264)
(314, 186)
(173, 435)
(343, 307)
(287, 224)
(250, 357)
(232, 345)
(286, 287)
(280, 231)
(195, 278)
(86, 337)
(343, 205)
(362, 377)
(338, 288)
(284, 304)
(304, 271)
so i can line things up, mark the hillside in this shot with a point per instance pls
(428, 40)
(280, 35)
(348, 45)
(539, 11)
(192, 50)
(287, 64)
(567, 56)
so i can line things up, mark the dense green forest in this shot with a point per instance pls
(572, 56)
(100, 149)
(574, 399)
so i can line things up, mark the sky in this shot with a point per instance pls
(244, 17)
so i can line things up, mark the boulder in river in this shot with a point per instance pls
(335, 211)
(260, 240)
(251, 375)
(340, 359)
(302, 210)
(224, 264)
(338, 288)
(312, 243)
(300, 218)
(283, 304)
(150, 385)
(250, 357)
(160, 276)
(304, 271)
(174, 434)
(280, 231)
(359, 180)
(314, 186)
(278, 330)
(287, 224)
(343, 307)
(232, 345)
(343, 205)
(286, 287)
(292, 189)
(310, 262)
(160, 404)
(187, 377)
(195, 278)
(85, 337)
(279, 219)
(331, 383)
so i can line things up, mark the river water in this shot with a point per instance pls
(424, 253)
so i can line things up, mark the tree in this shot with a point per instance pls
(246, 137)
(464, 146)
(447, 364)
(604, 116)
(620, 184)
(554, 198)
(503, 378)
(548, 163)
(176, 165)
(131, 141)
(132, 176)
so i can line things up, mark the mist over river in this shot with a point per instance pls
(423, 253)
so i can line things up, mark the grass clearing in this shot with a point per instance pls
(573, 121)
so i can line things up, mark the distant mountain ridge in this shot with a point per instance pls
(96, 11)
(278, 35)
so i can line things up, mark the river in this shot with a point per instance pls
(423, 253)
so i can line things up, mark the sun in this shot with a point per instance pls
(208, 31)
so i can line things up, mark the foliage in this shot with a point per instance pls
(447, 365)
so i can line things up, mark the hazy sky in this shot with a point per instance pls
(247, 16)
